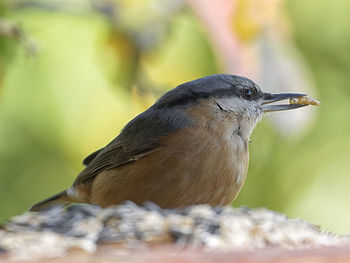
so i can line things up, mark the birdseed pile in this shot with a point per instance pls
(57, 231)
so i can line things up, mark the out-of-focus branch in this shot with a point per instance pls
(136, 28)
(54, 5)
(11, 30)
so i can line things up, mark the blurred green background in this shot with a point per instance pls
(73, 73)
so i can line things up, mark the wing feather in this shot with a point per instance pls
(139, 138)
(91, 156)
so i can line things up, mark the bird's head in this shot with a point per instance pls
(226, 98)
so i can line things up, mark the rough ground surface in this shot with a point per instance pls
(129, 229)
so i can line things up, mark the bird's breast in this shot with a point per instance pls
(210, 165)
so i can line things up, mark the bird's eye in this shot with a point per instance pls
(248, 94)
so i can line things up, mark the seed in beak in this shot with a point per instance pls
(304, 100)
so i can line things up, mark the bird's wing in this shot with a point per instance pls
(91, 156)
(112, 156)
(140, 137)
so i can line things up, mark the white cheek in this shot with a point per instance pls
(236, 105)
(246, 109)
(249, 112)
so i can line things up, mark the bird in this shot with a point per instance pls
(190, 147)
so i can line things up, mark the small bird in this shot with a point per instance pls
(190, 147)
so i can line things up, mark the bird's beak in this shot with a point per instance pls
(269, 98)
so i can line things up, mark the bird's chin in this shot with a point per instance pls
(267, 106)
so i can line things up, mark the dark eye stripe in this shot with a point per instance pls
(190, 95)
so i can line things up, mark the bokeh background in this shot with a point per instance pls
(73, 73)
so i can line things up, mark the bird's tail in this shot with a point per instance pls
(61, 198)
